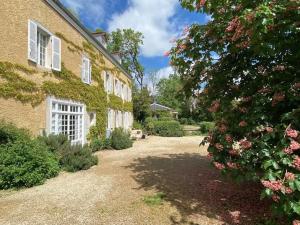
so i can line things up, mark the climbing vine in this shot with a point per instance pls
(67, 85)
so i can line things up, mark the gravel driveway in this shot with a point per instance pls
(112, 193)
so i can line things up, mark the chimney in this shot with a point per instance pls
(102, 37)
(117, 56)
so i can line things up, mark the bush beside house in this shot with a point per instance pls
(24, 162)
(120, 139)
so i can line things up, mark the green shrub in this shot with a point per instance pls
(183, 121)
(120, 139)
(10, 133)
(149, 125)
(71, 157)
(54, 142)
(168, 129)
(76, 157)
(137, 126)
(206, 127)
(166, 119)
(98, 144)
(25, 163)
(190, 121)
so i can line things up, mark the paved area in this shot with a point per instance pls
(112, 193)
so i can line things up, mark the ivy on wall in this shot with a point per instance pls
(66, 85)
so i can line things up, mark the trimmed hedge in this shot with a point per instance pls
(100, 144)
(120, 139)
(168, 129)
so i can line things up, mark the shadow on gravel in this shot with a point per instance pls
(194, 187)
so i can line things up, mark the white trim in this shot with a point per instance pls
(50, 101)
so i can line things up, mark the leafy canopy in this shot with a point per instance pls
(127, 43)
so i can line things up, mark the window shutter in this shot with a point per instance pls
(32, 41)
(56, 53)
(90, 72)
(83, 70)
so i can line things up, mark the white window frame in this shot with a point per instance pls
(86, 73)
(38, 29)
(54, 114)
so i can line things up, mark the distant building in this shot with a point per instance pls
(157, 107)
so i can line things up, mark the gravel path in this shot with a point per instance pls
(112, 193)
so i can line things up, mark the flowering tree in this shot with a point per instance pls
(248, 56)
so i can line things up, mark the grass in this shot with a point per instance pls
(154, 200)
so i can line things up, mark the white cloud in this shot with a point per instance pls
(154, 19)
(93, 11)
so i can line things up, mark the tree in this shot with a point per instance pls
(127, 43)
(141, 103)
(168, 90)
(153, 79)
(248, 57)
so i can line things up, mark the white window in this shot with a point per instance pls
(67, 118)
(43, 48)
(110, 119)
(129, 94)
(86, 70)
(108, 83)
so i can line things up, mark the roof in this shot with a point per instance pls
(71, 19)
(156, 106)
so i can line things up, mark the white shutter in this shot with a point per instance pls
(86, 70)
(56, 53)
(32, 41)
(90, 72)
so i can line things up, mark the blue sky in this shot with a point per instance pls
(159, 20)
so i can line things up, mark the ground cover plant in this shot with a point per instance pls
(247, 59)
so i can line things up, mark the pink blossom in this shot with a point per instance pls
(278, 97)
(287, 190)
(228, 138)
(219, 147)
(264, 91)
(294, 145)
(245, 144)
(269, 129)
(232, 25)
(288, 151)
(233, 152)
(291, 133)
(222, 128)
(219, 166)
(247, 99)
(275, 198)
(273, 185)
(167, 53)
(243, 123)
(296, 222)
(279, 68)
(289, 176)
(243, 109)
(232, 165)
(296, 163)
(214, 106)
(297, 85)
(209, 155)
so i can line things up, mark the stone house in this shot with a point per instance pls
(56, 76)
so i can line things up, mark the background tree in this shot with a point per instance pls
(127, 43)
(168, 90)
(141, 103)
(252, 90)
